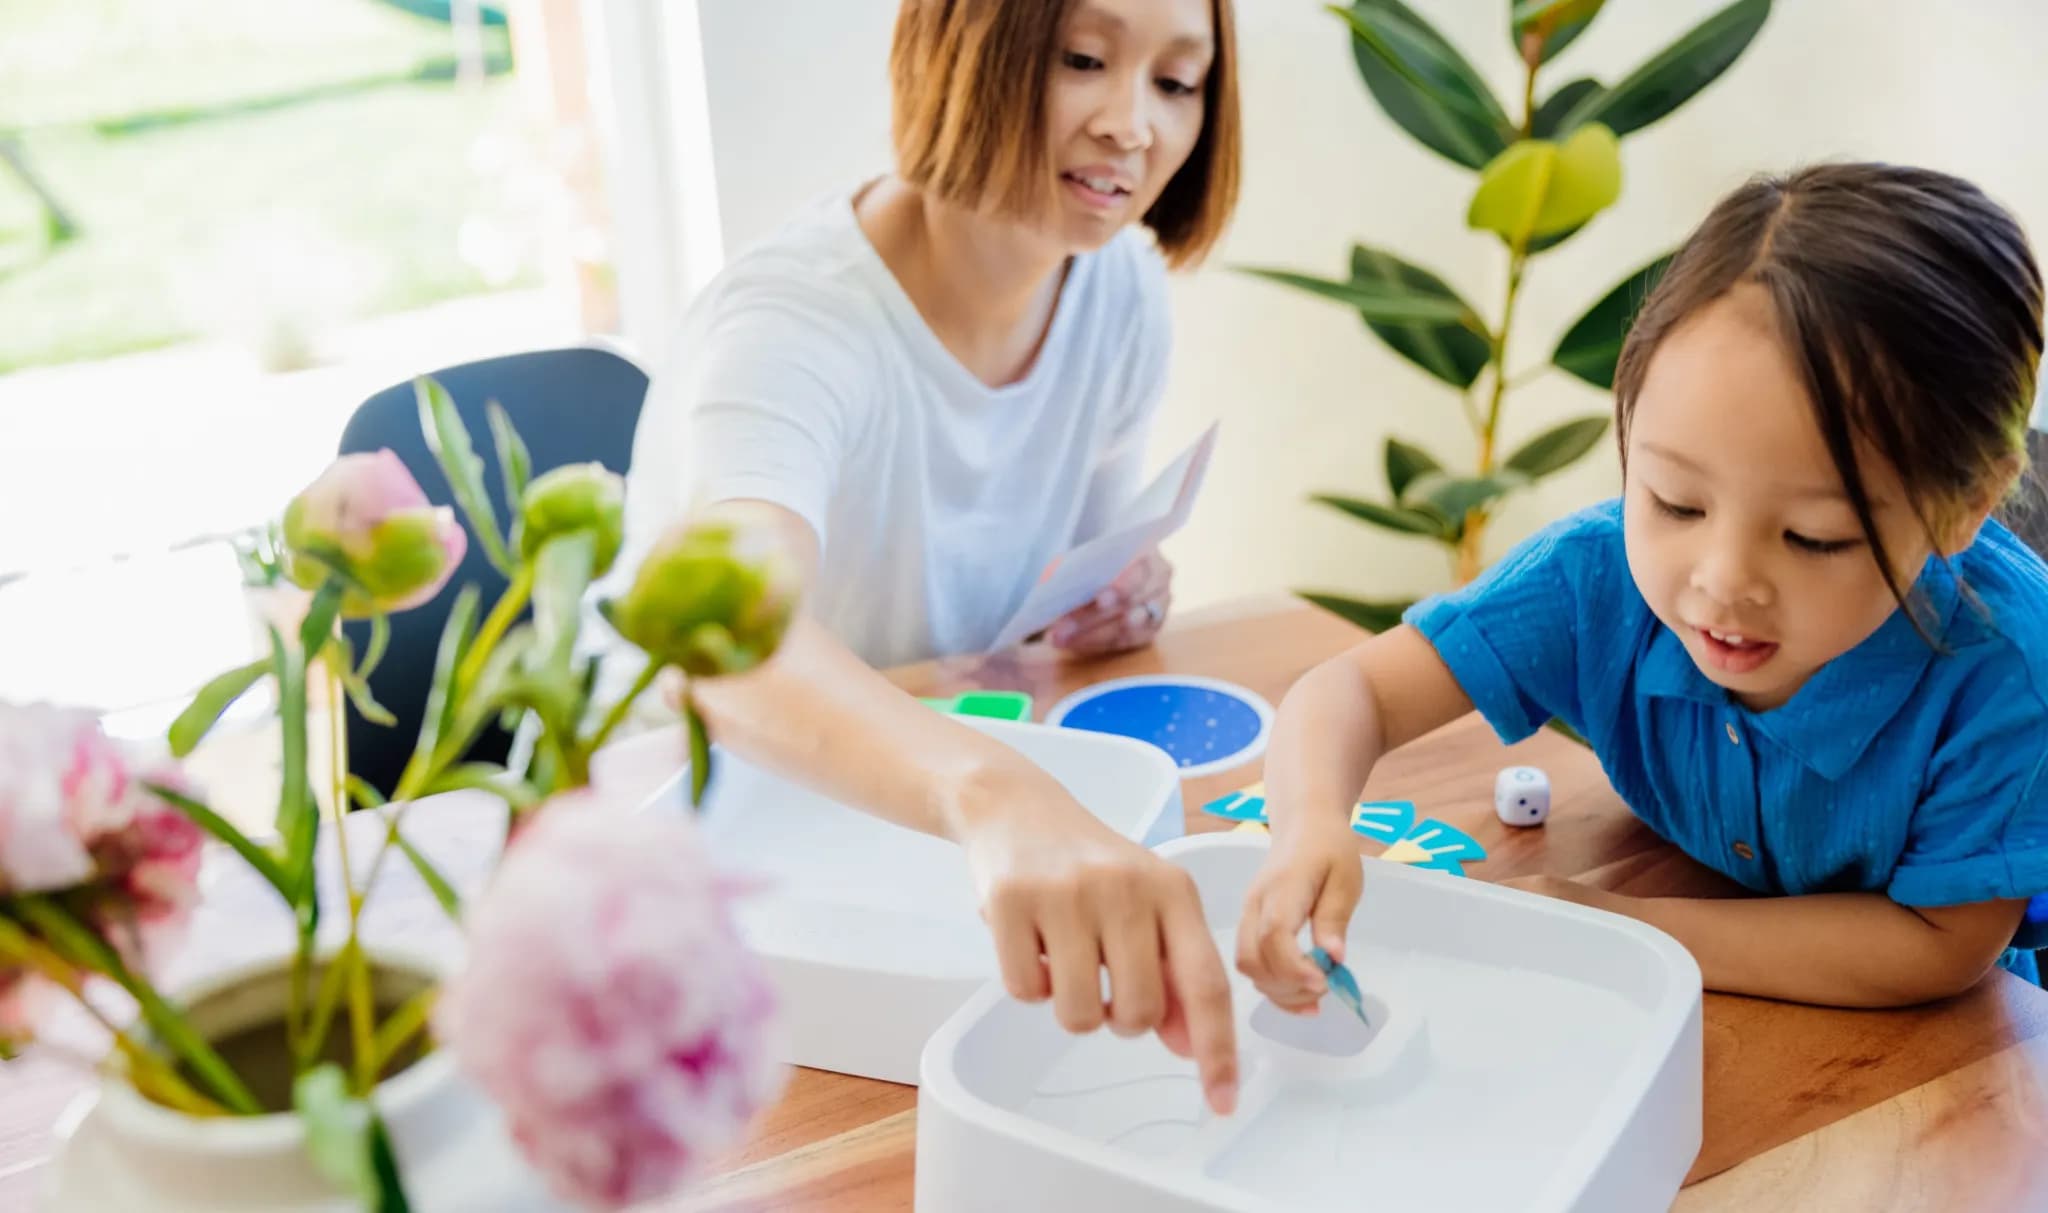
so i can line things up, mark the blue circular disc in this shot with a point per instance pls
(1203, 724)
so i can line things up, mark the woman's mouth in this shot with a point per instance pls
(1099, 192)
(1734, 653)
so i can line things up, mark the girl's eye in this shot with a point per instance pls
(1681, 512)
(1177, 88)
(1080, 62)
(1820, 547)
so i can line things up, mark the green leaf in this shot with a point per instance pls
(1587, 179)
(380, 642)
(1511, 190)
(317, 629)
(260, 860)
(1558, 448)
(408, 1021)
(212, 701)
(1676, 73)
(444, 893)
(82, 947)
(1453, 352)
(337, 1129)
(1592, 346)
(1391, 517)
(700, 751)
(455, 639)
(1374, 301)
(448, 438)
(1453, 497)
(341, 656)
(1556, 22)
(514, 464)
(365, 702)
(384, 1168)
(1405, 462)
(1424, 84)
(1548, 121)
(562, 572)
(502, 684)
(298, 818)
(1540, 188)
(1372, 616)
(487, 777)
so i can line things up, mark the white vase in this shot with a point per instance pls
(120, 1151)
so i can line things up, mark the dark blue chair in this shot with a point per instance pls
(576, 405)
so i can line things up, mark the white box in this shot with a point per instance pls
(871, 932)
(1525, 1054)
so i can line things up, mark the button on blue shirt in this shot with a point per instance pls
(1894, 769)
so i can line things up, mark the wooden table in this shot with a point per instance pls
(1937, 1108)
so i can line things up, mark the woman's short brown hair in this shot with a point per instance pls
(968, 81)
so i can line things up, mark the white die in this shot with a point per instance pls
(1521, 796)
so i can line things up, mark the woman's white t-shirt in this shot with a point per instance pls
(804, 376)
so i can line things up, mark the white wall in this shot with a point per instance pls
(798, 103)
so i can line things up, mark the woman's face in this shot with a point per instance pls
(1124, 107)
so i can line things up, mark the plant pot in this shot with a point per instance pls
(121, 1151)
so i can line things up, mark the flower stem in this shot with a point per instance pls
(493, 630)
(150, 1073)
(73, 941)
(425, 766)
(619, 711)
(362, 1011)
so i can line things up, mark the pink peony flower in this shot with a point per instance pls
(158, 878)
(61, 785)
(609, 1006)
(75, 813)
(366, 517)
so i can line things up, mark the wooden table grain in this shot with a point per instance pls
(1943, 1107)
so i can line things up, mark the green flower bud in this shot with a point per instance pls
(578, 497)
(713, 597)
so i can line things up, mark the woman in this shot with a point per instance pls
(933, 386)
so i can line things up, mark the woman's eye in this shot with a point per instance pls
(1682, 512)
(1080, 62)
(1177, 88)
(1820, 547)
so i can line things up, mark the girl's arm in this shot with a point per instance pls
(1834, 949)
(1331, 729)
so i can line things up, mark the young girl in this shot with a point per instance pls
(1799, 646)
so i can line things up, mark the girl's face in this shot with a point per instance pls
(1124, 109)
(1739, 533)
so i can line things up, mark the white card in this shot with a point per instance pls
(1079, 574)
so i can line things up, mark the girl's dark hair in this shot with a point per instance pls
(1910, 302)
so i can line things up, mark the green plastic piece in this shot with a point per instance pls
(996, 705)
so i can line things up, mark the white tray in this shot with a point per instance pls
(1526, 1054)
(871, 932)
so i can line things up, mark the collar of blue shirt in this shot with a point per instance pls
(1833, 719)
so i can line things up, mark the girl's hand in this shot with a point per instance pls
(1124, 616)
(1313, 875)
